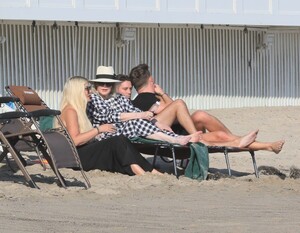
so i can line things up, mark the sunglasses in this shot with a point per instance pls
(105, 84)
(88, 87)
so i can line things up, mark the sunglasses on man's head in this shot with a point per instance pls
(105, 84)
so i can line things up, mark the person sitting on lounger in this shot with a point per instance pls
(144, 83)
(107, 108)
(115, 154)
(132, 122)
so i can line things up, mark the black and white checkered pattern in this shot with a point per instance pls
(101, 111)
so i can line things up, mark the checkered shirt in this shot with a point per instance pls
(101, 111)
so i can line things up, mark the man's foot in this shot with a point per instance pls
(248, 139)
(276, 147)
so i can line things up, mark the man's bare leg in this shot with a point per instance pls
(226, 140)
(219, 136)
(275, 147)
(177, 111)
(241, 142)
(204, 121)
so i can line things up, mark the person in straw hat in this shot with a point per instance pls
(106, 107)
(115, 154)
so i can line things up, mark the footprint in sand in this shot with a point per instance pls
(267, 170)
(294, 172)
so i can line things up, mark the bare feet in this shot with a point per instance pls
(195, 137)
(182, 140)
(154, 171)
(276, 147)
(248, 139)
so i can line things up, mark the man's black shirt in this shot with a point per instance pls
(144, 101)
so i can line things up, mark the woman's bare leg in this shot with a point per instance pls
(137, 170)
(182, 140)
(241, 142)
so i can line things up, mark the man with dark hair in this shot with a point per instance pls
(150, 93)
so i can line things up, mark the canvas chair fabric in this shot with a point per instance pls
(59, 147)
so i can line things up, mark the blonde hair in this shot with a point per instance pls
(73, 95)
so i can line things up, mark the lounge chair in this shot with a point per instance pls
(58, 147)
(13, 134)
(196, 151)
(177, 152)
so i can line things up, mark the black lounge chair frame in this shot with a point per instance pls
(177, 152)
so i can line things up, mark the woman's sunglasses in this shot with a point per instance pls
(105, 84)
(88, 87)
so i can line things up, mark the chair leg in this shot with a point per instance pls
(23, 169)
(87, 182)
(17, 157)
(254, 163)
(3, 153)
(174, 162)
(155, 156)
(227, 161)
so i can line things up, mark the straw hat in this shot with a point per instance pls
(105, 74)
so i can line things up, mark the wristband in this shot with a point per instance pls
(96, 127)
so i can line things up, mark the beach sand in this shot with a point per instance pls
(154, 203)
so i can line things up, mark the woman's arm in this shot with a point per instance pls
(70, 119)
(122, 110)
(126, 116)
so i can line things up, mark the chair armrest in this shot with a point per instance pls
(45, 112)
(13, 115)
(7, 99)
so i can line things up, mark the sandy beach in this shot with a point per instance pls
(154, 203)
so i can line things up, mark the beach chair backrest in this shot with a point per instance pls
(28, 97)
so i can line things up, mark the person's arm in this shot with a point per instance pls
(163, 97)
(126, 116)
(70, 118)
(123, 110)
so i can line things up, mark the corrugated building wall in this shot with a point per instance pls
(208, 66)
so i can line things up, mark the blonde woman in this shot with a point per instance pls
(115, 154)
